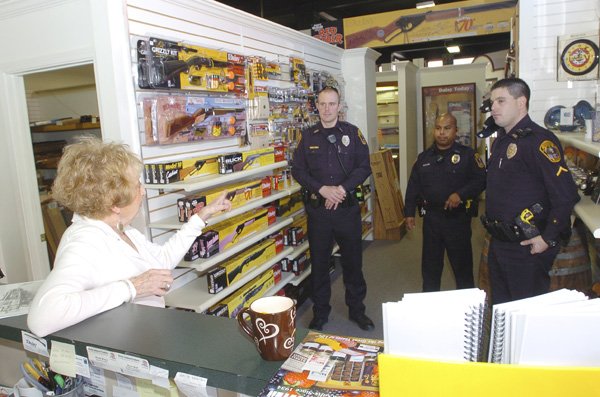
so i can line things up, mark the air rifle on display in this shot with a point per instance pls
(407, 23)
(173, 67)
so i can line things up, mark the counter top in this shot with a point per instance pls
(206, 346)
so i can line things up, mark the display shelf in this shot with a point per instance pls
(589, 214)
(285, 279)
(65, 127)
(298, 250)
(368, 233)
(173, 221)
(585, 208)
(210, 181)
(204, 264)
(366, 216)
(577, 140)
(301, 277)
(195, 295)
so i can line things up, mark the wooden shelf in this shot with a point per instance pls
(65, 127)
(210, 181)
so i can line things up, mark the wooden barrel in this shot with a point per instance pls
(484, 277)
(572, 267)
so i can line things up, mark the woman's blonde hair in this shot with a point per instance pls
(93, 176)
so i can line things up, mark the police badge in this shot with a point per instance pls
(511, 150)
(346, 140)
(455, 158)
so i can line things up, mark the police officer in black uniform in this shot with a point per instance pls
(530, 197)
(445, 182)
(331, 160)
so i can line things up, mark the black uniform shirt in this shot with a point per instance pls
(527, 167)
(437, 174)
(316, 164)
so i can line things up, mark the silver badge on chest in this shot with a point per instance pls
(345, 140)
(455, 158)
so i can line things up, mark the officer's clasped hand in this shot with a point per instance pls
(452, 202)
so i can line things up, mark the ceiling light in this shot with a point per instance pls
(453, 49)
(326, 16)
(425, 4)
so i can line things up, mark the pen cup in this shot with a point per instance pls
(75, 391)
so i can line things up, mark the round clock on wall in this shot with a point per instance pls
(579, 57)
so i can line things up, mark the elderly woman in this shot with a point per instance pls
(101, 261)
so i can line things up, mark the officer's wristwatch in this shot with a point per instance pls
(551, 243)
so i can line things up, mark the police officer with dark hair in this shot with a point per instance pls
(529, 200)
(331, 160)
(445, 182)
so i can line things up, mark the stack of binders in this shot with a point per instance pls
(444, 325)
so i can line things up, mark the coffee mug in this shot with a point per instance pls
(272, 326)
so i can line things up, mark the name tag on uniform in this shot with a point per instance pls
(313, 147)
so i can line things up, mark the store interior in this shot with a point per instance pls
(384, 91)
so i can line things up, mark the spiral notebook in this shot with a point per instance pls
(508, 321)
(444, 325)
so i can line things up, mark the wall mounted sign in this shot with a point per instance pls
(459, 101)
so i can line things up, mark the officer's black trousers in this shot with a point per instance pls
(450, 233)
(344, 226)
(517, 274)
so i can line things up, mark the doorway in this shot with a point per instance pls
(62, 105)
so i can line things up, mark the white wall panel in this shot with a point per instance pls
(540, 24)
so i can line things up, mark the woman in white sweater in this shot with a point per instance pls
(101, 261)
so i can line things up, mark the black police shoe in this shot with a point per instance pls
(363, 321)
(317, 324)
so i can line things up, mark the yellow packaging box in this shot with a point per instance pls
(243, 297)
(256, 158)
(233, 269)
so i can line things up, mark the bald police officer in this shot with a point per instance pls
(445, 181)
(331, 160)
(530, 197)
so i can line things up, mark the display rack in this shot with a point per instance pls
(174, 223)
(211, 181)
(586, 209)
(195, 295)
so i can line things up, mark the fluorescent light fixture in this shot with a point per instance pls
(326, 16)
(435, 64)
(463, 61)
(425, 4)
(453, 49)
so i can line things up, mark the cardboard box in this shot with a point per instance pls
(387, 188)
(233, 269)
(244, 296)
(238, 193)
(234, 229)
(288, 205)
(256, 158)
(228, 162)
(180, 170)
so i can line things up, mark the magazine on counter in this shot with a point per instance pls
(326, 365)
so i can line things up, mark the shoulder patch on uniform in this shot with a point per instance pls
(479, 161)
(550, 150)
(361, 137)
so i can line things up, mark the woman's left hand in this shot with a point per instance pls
(152, 282)
(218, 205)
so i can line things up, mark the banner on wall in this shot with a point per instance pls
(331, 32)
(441, 22)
